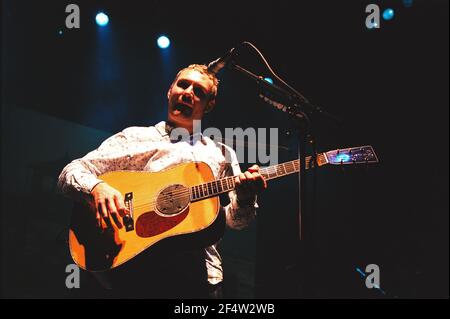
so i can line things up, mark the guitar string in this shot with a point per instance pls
(211, 187)
(264, 171)
(269, 171)
(180, 194)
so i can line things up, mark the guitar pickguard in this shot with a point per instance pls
(152, 224)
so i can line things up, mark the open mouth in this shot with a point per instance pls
(183, 109)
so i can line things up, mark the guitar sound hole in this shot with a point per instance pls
(173, 200)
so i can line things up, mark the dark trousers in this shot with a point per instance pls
(159, 275)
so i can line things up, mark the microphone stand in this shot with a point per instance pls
(303, 113)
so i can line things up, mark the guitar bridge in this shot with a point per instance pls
(128, 220)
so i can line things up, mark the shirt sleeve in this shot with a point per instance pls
(118, 152)
(237, 216)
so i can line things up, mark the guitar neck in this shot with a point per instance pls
(227, 184)
(291, 167)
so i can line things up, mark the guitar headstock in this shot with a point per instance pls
(352, 155)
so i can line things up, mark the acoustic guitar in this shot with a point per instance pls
(180, 203)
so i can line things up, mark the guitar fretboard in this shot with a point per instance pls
(227, 184)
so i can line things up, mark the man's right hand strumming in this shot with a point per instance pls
(108, 203)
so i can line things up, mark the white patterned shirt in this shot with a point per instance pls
(151, 149)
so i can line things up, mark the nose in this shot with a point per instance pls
(188, 95)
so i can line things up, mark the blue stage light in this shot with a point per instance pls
(268, 80)
(101, 19)
(344, 158)
(408, 3)
(163, 42)
(388, 14)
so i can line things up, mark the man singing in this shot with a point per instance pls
(177, 274)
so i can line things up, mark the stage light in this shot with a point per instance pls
(101, 19)
(388, 14)
(163, 42)
(268, 80)
(344, 158)
(408, 3)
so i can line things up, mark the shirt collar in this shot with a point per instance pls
(165, 129)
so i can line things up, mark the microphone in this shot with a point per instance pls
(218, 64)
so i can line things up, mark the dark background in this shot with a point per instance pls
(62, 94)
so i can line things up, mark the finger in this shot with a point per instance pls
(118, 200)
(263, 181)
(262, 184)
(102, 208)
(114, 214)
(101, 223)
(96, 209)
(256, 175)
(249, 176)
(103, 214)
(111, 206)
(254, 168)
(108, 223)
(260, 180)
(116, 219)
(98, 218)
(241, 180)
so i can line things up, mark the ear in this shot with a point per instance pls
(210, 105)
(168, 93)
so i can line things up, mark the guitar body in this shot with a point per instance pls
(161, 212)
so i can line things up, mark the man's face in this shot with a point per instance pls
(189, 97)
